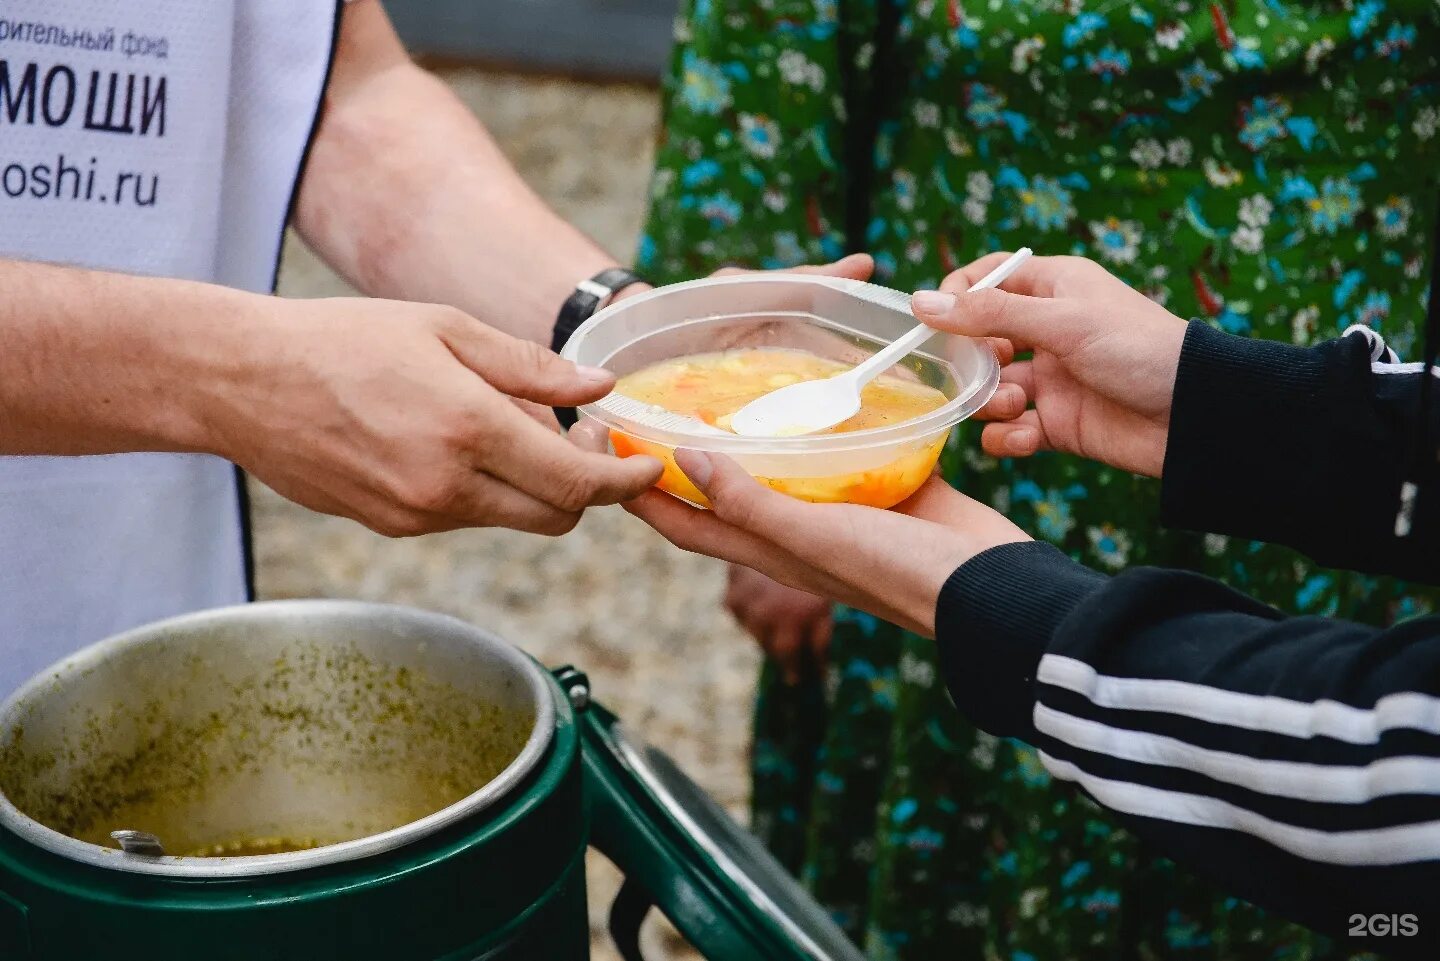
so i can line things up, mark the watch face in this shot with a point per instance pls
(759, 878)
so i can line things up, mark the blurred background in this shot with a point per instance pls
(569, 89)
(591, 38)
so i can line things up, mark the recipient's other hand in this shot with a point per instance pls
(792, 626)
(890, 563)
(1009, 400)
(413, 418)
(1104, 358)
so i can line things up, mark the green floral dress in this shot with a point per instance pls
(1267, 166)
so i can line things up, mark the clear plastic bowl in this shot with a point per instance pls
(842, 320)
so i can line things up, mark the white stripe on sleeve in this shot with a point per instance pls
(1403, 844)
(1411, 368)
(1379, 350)
(1253, 712)
(1322, 783)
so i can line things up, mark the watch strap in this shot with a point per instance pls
(586, 299)
(580, 306)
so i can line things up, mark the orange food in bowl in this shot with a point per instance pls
(712, 387)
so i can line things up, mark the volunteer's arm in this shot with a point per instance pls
(407, 196)
(1306, 447)
(398, 415)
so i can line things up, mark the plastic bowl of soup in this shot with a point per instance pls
(707, 347)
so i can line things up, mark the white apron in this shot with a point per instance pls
(159, 137)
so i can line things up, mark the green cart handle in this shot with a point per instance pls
(14, 929)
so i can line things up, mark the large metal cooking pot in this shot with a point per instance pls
(440, 784)
(424, 754)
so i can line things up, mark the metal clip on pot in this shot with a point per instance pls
(139, 843)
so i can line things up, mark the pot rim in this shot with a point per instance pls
(28, 829)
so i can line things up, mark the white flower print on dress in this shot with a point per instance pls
(759, 135)
(1426, 123)
(979, 185)
(1178, 151)
(1171, 35)
(979, 189)
(1111, 545)
(904, 183)
(927, 114)
(1316, 52)
(1220, 174)
(1303, 324)
(1255, 211)
(956, 144)
(915, 671)
(1392, 218)
(1117, 240)
(1025, 53)
(798, 71)
(1147, 154)
(1248, 239)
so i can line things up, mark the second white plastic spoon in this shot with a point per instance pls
(815, 405)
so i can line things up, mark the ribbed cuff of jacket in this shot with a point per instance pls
(994, 621)
(1240, 405)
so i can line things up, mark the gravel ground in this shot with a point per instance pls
(642, 618)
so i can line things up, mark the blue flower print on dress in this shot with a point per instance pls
(706, 89)
(1336, 205)
(1374, 310)
(721, 210)
(1046, 205)
(1364, 17)
(1197, 81)
(1262, 121)
(1076, 873)
(1392, 218)
(700, 173)
(1053, 516)
(1083, 27)
(1109, 63)
(1397, 40)
(904, 810)
(985, 108)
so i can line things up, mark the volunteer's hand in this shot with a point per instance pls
(890, 563)
(792, 626)
(1105, 358)
(412, 418)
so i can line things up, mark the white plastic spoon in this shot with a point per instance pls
(815, 405)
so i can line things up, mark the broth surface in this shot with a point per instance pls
(316, 746)
(712, 387)
(254, 847)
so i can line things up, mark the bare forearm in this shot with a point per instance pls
(94, 363)
(410, 198)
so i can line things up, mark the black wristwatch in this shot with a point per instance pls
(589, 296)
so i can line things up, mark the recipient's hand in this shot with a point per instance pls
(1105, 358)
(412, 418)
(890, 563)
(792, 627)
